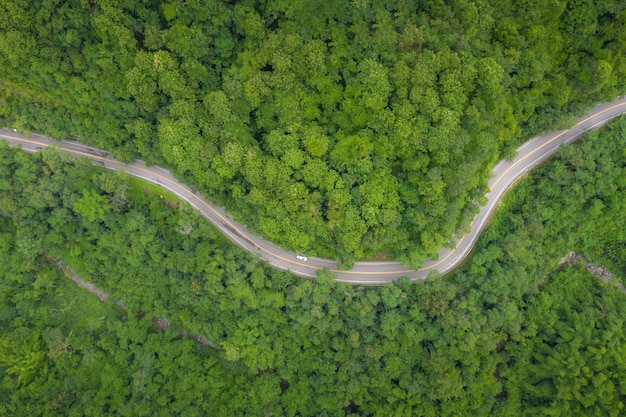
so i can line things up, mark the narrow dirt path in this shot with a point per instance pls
(601, 272)
(160, 322)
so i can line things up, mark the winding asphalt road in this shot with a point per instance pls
(505, 173)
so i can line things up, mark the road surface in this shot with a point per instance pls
(505, 173)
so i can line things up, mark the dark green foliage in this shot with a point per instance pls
(567, 359)
(63, 352)
(337, 128)
(511, 334)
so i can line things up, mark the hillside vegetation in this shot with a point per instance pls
(337, 128)
(512, 334)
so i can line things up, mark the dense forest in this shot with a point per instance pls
(513, 333)
(343, 129)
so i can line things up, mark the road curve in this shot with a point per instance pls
(504, 174)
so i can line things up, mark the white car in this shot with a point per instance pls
(302, 258)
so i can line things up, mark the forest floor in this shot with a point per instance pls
(601, 272)
(160, 322)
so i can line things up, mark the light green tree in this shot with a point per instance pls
(92, 206)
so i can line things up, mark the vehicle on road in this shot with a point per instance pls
(505, 173)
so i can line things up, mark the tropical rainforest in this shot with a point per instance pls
(515, 332)
(348, 129)
(344, 129)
